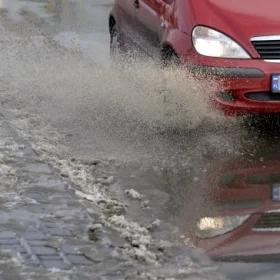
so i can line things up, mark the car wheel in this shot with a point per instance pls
(170, 58)
(117, 46)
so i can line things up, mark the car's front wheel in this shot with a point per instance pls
(169, 58)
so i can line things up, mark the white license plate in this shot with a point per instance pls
(275, 83)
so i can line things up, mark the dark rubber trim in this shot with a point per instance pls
(227, 72)
(263, 96)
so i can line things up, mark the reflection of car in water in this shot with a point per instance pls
(236, 42)
(246, 223)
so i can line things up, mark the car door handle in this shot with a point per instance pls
(136, 4)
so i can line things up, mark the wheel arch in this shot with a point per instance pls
(179, 42)
(167, 49)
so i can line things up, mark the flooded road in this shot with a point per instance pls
(170, 164)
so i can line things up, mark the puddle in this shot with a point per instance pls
(237, 220)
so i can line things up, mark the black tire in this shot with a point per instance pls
(169, 58)
(117, 45)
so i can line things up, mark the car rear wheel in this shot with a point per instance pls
(117, 46)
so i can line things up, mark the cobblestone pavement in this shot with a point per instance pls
(41, 220)
(47, 231)
(51, 229)
(44, 227)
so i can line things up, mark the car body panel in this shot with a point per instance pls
(148, 22)
(124, 14)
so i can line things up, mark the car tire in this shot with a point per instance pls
(117, 45)
(169, 58)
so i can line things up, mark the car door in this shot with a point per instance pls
(150, 23)
(126, 16)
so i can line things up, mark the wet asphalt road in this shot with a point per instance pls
(215, 181)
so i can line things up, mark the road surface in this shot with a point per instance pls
(107, 172)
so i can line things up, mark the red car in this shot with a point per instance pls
(235, 42)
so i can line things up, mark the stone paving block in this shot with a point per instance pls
(4, 133)
(45, 181)
(78, 259)
(7, 234)
(13, 247)
(8, 241)
(34, 236)
(55, 264)
(37, 195)
(69, 249)
(55, 229)
(10, 276)
(38, 242)
(50, 257)
(37, 168)
(59, 232)
(25, 257)
(44, 250)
